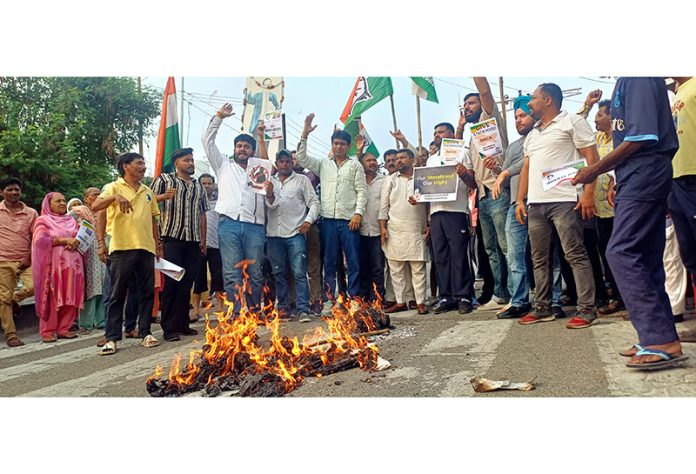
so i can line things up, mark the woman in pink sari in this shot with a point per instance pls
(59, 281)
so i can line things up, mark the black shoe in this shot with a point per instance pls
(558, 311)
(172, 338)
(514, 312)
(465, 306)
(189, 332)
(443, 306)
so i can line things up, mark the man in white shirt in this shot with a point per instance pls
(557, 139)
(241, 228)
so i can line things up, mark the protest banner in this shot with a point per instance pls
(86, 235)
(452, 150)
(435, 183)
(258, 172)
(552, 177)
(487, 138)
(274, 125)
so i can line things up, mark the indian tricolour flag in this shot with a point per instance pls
(356, 128)
(168, 137)
(367, 91)
(424, 87)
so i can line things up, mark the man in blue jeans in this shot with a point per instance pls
(645, 140)
(343, 201)
(241, 229)
(492, 212)
(288, 196)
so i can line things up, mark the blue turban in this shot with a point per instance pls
(522, 102)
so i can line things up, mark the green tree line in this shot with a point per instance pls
(63, 133)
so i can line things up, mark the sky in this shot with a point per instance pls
(326, 97)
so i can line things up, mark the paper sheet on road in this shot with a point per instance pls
(484, 385)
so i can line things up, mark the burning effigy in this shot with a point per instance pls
(234, 357)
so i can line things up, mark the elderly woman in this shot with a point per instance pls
(59, 282)
(92, 316)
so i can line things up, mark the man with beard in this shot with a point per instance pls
(183, 229)
(371, 254)
(343, 200)
(241, 229)
(404, 232)
(16, 228)
(492, 212)
(516, 233)
(288, 196)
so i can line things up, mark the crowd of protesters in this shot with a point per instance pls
(620, 236)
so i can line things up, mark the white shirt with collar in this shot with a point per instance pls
(236, 199)
(288, 210)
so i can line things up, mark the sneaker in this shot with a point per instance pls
(538, 315)
(430, 302)
(558, 311)
(513, 312)
(304, 317)
(583, 319)
(464, 306)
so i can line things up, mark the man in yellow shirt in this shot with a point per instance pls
(682, 197)
(131, 208)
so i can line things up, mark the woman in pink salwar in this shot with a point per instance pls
(59, 282)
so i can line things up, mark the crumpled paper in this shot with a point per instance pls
(481, 384)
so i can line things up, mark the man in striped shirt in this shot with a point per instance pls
(183, 234)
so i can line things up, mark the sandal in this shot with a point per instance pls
(668, 360)
(67, 335)
(150, 341)
(101, 341)
(14, 341)
(49, 339)
(109, 348)
(635, 348)
(132, 334)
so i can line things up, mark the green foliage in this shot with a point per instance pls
(63, 133)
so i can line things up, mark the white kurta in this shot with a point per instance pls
(406, 222)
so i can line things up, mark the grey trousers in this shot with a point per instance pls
(542, 219)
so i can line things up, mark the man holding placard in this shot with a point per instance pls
(553, 151)
(488, 145)
(241, 229)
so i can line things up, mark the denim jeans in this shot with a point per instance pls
(294, 250)
(335, 236)
(241, 241)
(517, 238)
(492, 216)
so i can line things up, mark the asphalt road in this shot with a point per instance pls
(430, 356)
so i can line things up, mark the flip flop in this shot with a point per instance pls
(668, 360)
(150, 341)
(629, 352)
(108, 349)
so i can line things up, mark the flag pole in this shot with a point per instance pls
(181, 116)
(391, 99)
(503, 110)
(420, 134)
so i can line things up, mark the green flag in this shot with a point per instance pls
(366, 93)
(424, 87)
(354, 128)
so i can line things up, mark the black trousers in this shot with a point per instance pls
(124, 267)
(176, 295)
(371, 267)
(449, 232)
(213, 262)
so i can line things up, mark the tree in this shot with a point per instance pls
(63, 133)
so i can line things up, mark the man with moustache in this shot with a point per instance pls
(16, 229)
(343, 200)
(390, 161)
(288, 196)
(241, 229)
(371, 254)
(131, 211)
(404, 232)
(183, 229)
(557, 138)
